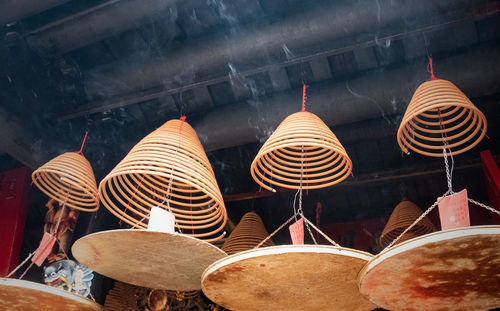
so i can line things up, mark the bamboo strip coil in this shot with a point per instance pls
(439, 111)
(401, 218)
(173, 155)
(301, 140)
(249, 232)
(69, 178)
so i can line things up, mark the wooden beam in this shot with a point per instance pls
(17, 142)
(363, 180)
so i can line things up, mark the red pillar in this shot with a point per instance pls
(492, 178)
(14, 199)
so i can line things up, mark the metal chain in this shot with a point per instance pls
(417, 220)
(275, 231)
(300, 210)
(138, 222)
(310, 232)
(491, 209)
(300, 185)
(445, 154)
(322, 233)
(447, 167)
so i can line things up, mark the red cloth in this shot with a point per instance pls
(46, 245)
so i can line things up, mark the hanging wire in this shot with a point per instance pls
(446, 147)
(21, 264)
(299, 211)
(275, 231)
(489, 208)
(54, 232)
(417, 220)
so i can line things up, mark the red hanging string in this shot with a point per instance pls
(318, 213)
(430, 69)
(183, 119)
(303, 97)
(128, 204)
(83, 143)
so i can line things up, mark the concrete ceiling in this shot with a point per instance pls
(121, 68)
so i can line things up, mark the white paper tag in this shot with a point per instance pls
(161, 220)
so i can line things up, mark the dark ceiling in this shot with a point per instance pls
(121, 68)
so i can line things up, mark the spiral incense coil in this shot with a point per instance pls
(302, 145)
(169, 169)
(249, 232)
(439, 112)
(401, 218)
(69, 179)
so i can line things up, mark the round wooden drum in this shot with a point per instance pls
(147, 258)
(30, 296)
(457, 269)
(289, 277)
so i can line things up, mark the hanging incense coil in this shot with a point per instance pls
(249, 232)
(401, 218)
(169, 169)
(302, 145)
(69, 179)
(439, 112)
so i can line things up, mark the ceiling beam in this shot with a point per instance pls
(13, 10)
(98, 22)
(373, 95)
(325, 25)
(376, 178)
(159, 91)
(18, 142)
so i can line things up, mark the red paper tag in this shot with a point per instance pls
(44, 249)
(297, 232)
(454, 211)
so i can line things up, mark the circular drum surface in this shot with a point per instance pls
(290, 277)
(147, 258)
(19, 295)
(456, 269)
